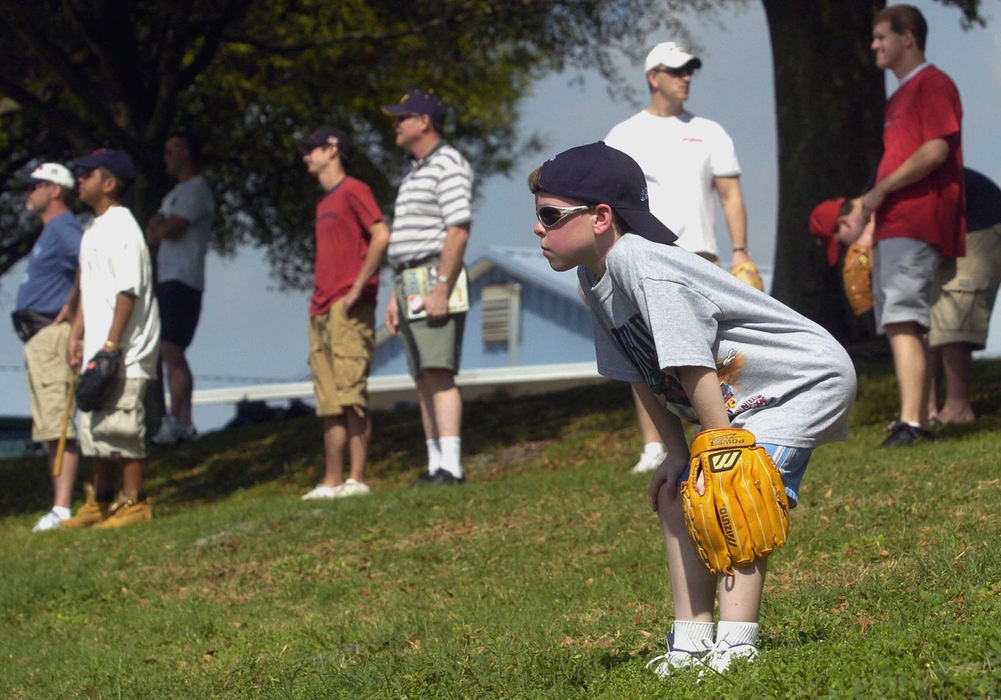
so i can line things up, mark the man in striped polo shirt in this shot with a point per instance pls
(430, 228)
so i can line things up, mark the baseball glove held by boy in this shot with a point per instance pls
(747, 272)
(96, 382)
(742, 512)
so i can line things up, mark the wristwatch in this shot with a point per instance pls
(442, 278)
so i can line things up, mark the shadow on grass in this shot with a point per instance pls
(290, 453)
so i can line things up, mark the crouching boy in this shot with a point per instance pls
(117, 326)
(698, 345)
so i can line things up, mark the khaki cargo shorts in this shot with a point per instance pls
(117, 431)
(341, 348)
(965, 290)
(48, 376)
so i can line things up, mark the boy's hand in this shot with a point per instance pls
(666, 477)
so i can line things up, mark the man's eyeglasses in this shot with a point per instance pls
(682, 72)
(551, 217)
(35, 185)
(404, 117)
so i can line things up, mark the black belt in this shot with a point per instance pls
(27, 323)
(419, 262)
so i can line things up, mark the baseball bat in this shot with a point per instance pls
(57, 463)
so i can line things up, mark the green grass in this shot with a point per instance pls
(544, 576)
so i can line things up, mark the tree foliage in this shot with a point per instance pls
(250, 75)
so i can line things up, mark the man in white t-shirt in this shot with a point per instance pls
(116, 319)
(180, 231)
(685, 159)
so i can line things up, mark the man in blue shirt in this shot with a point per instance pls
(46, 302)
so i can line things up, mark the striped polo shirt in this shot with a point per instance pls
(435, 194)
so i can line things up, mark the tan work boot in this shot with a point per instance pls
(126, 512)
(90, 513)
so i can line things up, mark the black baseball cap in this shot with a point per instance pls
(320, 137)
(599, 174)
(117, 163)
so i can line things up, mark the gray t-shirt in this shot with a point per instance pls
(183, 258)
(659, 307)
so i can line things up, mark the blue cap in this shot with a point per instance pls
(600, 174)
(118, 164)
(418, 102)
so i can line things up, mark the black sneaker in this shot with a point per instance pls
(441, 477)
(903, 434)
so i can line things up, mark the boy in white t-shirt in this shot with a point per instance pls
(697, 344)
(117, 315)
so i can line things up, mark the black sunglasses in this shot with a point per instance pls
(676, 72)
(551, 217)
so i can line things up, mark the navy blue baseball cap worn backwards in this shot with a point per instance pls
(418, 102)
(118, 164)
(600, 174)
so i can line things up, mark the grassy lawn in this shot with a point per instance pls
(543, 576)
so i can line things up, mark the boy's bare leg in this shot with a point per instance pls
(740, 594)
(692, 586)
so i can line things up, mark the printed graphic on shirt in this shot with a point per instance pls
(636, 342)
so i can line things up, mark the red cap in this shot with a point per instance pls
(824, 226)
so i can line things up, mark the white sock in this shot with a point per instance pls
(692, 636)
(451, 455)
(654, 448)
(737, 633)
(434, 455)
(63, 513)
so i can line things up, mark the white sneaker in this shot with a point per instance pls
(675, 660)
(49, 521)
(352, 488)
(723, 654)
(322, 492)
(648, 462)
(172, 431)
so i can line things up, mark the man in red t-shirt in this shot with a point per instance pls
(351, 238)
(918, 200)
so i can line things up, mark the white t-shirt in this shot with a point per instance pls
(680, 156)
(659, 307)
(114, 258)
(183, 258)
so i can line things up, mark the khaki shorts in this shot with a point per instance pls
(118, 431)
(965, 290)
(429, 344)
(341, 348)
(48, 377)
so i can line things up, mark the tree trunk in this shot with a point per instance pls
(829, 100)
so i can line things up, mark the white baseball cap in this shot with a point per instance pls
(669, 55)
(51, 172)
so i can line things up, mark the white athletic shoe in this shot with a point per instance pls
(49, 521)
(723, 654)
(675, 660)
(172, 431)
(352, 488)
(322, 492)
(648, 462)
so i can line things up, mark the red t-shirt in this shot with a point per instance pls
(932, 210)
(343, 218)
